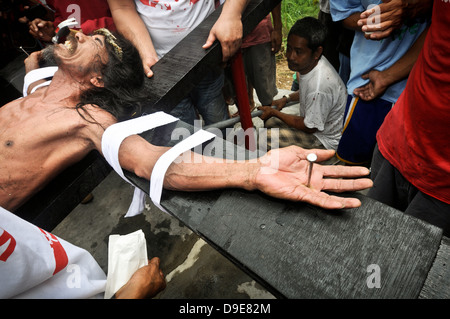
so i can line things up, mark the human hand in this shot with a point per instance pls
(381, 20)
(32, 61)
(228, 30)
(42, 30)
(284, 174)
(276, 39)
(146, 282)
(375, 88)
(148, 62)
(267, 112)
(279, 104)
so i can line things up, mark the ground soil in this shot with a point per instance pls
(284, 75)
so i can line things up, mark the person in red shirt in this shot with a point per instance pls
(411, 167)
(91, 15)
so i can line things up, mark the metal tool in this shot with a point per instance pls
(64, 29)
(311, 157)
(21, 48)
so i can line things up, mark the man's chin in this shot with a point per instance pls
(293, 67)
(47, 57)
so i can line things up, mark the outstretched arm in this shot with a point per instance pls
(281, 173)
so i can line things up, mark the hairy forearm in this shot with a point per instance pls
(401, 69)
(191, 172)
(416, 8)
(276, 17)
(203, 174)
(129, 23)
(234, 8)
(351, 22)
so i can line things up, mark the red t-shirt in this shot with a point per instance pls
(415, 135)
(261, 34)
(92, 14)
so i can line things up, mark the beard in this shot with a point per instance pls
(47, 57)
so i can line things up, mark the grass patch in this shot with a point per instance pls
(293, 10)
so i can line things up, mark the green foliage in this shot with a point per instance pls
(292, 10)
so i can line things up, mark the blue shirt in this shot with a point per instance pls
(367, 55)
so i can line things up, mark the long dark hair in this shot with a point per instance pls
(123, 80)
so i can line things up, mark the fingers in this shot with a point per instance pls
(340, 171)
(209, 42)
(346, 185)
(155, 261)
(329, 201)
(322, 155)
(148, 71)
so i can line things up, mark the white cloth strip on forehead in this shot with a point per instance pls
(112, 139)
(163, 163)
(36, 75)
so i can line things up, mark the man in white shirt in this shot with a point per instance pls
(322, 95)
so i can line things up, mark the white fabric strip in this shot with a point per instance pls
(39, 86)
(36, 75)
(113, 138)
(163, 163)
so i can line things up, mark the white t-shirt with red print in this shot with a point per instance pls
(36, 264)
(169, 21)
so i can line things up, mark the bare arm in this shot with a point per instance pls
(351, 22)
(381, 80)
(276, 36)
(281, 103)
(228, 28)
(280, 173)
(130, 24)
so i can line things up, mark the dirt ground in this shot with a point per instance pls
(284, 75)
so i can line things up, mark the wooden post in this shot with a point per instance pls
(240, 87)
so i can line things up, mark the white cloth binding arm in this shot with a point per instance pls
(36, 75)
(113, 138)
(115, 134)
(163, 163)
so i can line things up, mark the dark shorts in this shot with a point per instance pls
(362, 121)
(391, 188)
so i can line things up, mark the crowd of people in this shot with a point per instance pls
(374, 95)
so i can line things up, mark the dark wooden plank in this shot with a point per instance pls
(437, 284)
(297, 250)
(307, 252)
(177, 73)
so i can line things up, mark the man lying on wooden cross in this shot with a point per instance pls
(97, 84)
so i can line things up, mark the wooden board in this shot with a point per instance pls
(296, 250)
(437, 284)
(177, 73)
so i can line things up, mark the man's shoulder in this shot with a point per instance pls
(329, 77)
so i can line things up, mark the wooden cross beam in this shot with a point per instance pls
(177, 73)
(293, 249)
(296, 250)
(174, 76)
